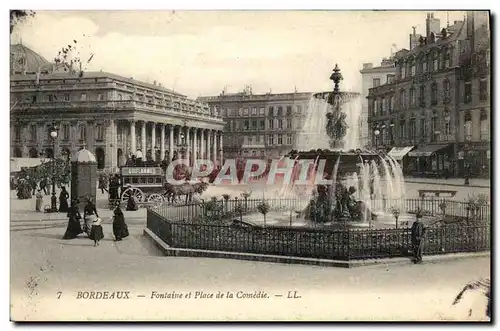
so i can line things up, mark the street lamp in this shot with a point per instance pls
(376, 132)
(54, 132)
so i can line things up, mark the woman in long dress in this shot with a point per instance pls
(120, 229)
(39, 200)
(74, 228)
(89, 215)
(63, 200)
(131, 204)
(96, 233)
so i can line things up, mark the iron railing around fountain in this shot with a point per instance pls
(226, 209)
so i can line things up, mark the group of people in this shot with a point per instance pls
(92, 223)
(63, 201)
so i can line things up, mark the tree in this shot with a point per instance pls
(263, 208)
(57, 170)
(17, 16)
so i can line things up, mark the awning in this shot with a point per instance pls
(398, 153)
(23, 162)
(426, 150)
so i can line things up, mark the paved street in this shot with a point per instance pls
(43, 265)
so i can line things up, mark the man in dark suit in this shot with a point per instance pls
(417, 239)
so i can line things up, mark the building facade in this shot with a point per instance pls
(372, 77)
(425, 115)
(260, 125)
(110, 115)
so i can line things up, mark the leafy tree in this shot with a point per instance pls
(17, 16)
(57, 170)
(263, 208)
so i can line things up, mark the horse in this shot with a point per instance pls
(188, 189)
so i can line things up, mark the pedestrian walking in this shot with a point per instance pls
(39, 200)
(120, 229)
(417, 239)
(63, 200)
(96, 233)
(74, 228)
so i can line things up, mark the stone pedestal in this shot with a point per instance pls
(83, 177)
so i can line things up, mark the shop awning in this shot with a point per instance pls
(427, 150)
(398, 153)
(17, 163)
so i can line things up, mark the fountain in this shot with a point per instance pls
(363, 185)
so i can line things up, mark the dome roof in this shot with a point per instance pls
(84, 156)
(24, 59)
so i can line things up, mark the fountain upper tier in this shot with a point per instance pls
(330, 96)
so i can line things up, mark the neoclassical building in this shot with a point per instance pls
(106, 113)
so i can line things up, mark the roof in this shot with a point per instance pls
(93, 74)
(34, 61)
(84, 156)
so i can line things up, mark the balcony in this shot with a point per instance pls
(192, 112)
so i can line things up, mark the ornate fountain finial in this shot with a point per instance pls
(336, 77)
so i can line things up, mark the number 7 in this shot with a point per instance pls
(59, 295)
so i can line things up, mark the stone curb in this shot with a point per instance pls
(185, 252)
(447, 184)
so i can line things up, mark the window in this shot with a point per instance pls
(83, 97)
(468, 129)
(17, 133)
(424, 65)
(484, 126)
(33, 98)
(288, 110)
(271, 111)
(100, 132)
(402, 99)
(270, 140)
(299, 109)
(246, 125)
(66, 97)
(375, 107)
(376, 82)
(289, 123)
(390, 79)
(288, 139)
(446, 91)
(261, 124)
(402, 129)
(258, 139)
(280, 111)
(280, 139)
(240, 112)
(250, 140)
(447, 128)
(254, 111)
(100, 97)
(422, 96)
(254, 124)
(280, 124)
(50, 98)
(434, 131)
(434, 94)
(413, 69)
(83, 132)
(413, 129)
(120, 97)
(381, 106)
(467, 92)
(412, 97)
(422, 129)
(270, 124)
(483, 90)
(65, 132)
(33, 132)
(391, 103)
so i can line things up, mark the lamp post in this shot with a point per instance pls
(54, 132)
(376, 133)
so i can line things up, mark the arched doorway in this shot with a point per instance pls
(33, 153)
(119, 157)
(49, 153)
(100, 157)
(17, 152)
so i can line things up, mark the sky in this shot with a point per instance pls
(202, 52)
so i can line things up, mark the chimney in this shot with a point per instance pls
(367, 65)
(432, 25)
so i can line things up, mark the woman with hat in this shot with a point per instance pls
(74, 228)
(120, 229)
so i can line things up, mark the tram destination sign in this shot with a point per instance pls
(141, 171)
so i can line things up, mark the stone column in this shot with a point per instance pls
(111, 143)
(195, 145)
(214, 147)
(202, 144)
(143, 140)
(153, 139)
(209, 143)
(162, 141)
(221, 156)
(188, 142)
(133, 143)
(171, 143)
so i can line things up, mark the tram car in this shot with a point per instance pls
(145, 184)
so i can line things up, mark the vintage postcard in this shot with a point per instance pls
(241, 165)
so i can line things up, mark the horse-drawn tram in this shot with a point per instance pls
(145, 184)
